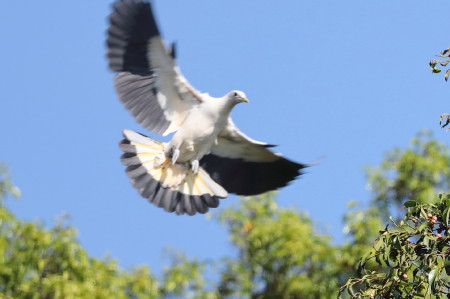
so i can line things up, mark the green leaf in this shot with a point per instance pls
(415, 273)
(431, 278)
(445, 116)
(419, 265)
(435, 70)
(396, 243)
(446, 215)
(447, 263)
(410, 204)
(447, 73)
(378, 260)
(445, 53)
(350, 291)
(423, 226)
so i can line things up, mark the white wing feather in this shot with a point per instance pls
(232, 143)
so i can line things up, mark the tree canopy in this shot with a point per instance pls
(280, 252)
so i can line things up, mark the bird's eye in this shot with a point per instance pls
(235, 94)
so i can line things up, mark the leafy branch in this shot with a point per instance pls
(446, 55)
(413, 256)
(444, 118)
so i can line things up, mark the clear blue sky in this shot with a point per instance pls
(343, 80)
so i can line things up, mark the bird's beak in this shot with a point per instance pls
(245, 100)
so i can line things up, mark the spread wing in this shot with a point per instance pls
(247, 167)
(148, 82)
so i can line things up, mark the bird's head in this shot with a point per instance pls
(236, 97)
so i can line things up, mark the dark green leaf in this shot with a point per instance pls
(447, 121)
(350, 291)
(446, 215)
(415, 273)
(447, 73)
(396, 243)
(445, 53)
(447, 202)
(410, 204)
(435, 70)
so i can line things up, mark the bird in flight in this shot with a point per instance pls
(208, 157)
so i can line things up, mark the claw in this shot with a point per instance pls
(194, 166)
(176, 153)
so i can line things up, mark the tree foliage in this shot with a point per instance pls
(419, 173)
(280, 255)
(409, 256)
(413, 256)
(40, 262)
(278, 252)
(443, 61)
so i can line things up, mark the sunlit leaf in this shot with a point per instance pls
(431, 278)
(435, 70)
(446, 215)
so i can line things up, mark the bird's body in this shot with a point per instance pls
(207, 157)
(194, 141)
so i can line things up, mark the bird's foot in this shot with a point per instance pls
(175, 154)
(159, 160)
(194, 166)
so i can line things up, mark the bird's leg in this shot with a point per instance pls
(194, 166)
(175, 154)
(171, 150)
(159, 159)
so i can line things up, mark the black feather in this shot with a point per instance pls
(250, 178)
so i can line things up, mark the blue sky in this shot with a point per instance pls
(342, 80)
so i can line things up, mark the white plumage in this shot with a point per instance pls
(207, 156)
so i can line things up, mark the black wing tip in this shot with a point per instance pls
(251, 178)
(132, 25)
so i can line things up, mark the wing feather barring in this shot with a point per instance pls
(207, 157)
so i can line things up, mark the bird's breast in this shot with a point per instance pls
(198, 134)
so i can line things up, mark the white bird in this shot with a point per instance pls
(207, 157)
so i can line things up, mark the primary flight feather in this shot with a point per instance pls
(207, 157)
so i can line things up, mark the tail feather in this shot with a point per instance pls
(200, 204)
(175, 188)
